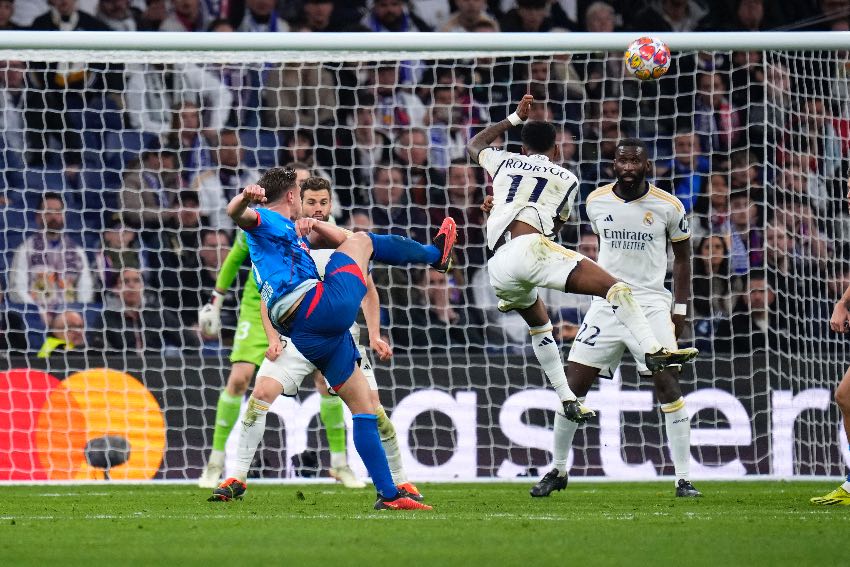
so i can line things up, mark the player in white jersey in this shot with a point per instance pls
(287, 366)
(532, 198)
(635, 222)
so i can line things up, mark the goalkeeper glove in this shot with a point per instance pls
(209, 318)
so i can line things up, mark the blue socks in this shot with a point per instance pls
(400, 251)
(367, 441)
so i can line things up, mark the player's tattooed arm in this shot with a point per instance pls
(485, 137)
(238, 208)
(681, 280)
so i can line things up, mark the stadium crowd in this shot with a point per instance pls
(115, 177)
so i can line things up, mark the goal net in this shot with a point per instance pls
(116, 165)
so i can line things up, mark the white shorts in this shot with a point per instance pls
(525, 263)
(291, 368)
(602, 339)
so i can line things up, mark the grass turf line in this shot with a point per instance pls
(753, 523)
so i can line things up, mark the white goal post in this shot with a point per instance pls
(750, 130)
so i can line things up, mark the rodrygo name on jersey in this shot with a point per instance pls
(531, 189)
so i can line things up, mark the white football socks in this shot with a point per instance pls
(251, 430)
(565, 432)
(548, 354)
(386, 429)
(629, 313)
(677, 423)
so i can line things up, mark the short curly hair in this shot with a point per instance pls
(316, 184)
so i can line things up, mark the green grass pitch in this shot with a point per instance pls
(497, 525)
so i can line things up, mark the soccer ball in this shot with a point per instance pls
(647, 58)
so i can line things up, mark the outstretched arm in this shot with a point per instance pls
(485, 137)
(238, 209)
(840, 321)
(321, 234)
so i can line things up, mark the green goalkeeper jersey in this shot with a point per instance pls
(249, 342)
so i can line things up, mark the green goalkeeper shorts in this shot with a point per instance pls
(249, 342)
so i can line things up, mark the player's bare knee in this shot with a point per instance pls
(667, 387)
(267, 389)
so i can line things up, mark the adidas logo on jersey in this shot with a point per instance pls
(546, 341)
(609, 218)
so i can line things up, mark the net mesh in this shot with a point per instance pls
(143, 152)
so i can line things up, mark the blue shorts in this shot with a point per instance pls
(320, 327)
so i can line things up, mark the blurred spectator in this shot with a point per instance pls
(671, 15)
(567, 149)
(744, 171)
(186, 288)
(390, 211)
(754, 317)
(120, 250)
(243, 80)
(259, 16)
(825, 135)
(186, 16)
(433, 322)
(600, 17)
(528, 16)
(711, 278)
(118, 15)
(149, 187)
(747, 241)
(190, 141)
(49, 269)
(712, 210)
(469, 14)
(12, 106)
(393, 16)
(749, 16)
(59, 92)
(221, 182)
(598, 163)
(687, 172)
(358, 148)
(715, 121)
(463, 198)
(299, 146)
(154, 90)
(153, 14)
(7, 9)
(175, 246)
(317, 16)
(395, 106)
(65, 15)
(413, 154)
(65, 333)
(135, 322)
(298, 95)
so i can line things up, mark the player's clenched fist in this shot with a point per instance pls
(304, 226)
(254, 194)
(524, 107)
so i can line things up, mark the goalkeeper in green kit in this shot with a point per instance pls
(249, 350)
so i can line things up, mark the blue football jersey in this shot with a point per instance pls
(281, 259)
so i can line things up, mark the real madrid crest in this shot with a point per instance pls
(647, 219)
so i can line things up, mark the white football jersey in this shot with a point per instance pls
(633, 236)
(321, 256)
(531, 189)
